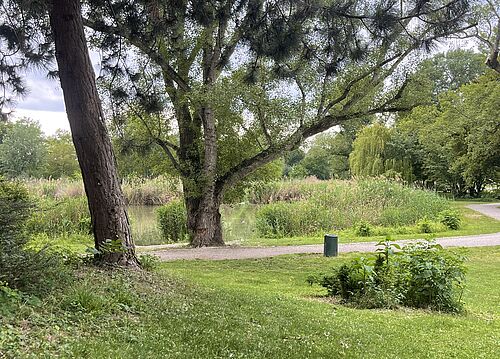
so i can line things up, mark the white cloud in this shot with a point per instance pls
(50, 121)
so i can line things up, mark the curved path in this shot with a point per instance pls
(231, 252)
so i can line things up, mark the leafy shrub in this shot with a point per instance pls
(424, 226)
(363, 229)
(172, 221)
(451, 219)
(422, 275)
(430, 277)
(148, 262)
(20, 268)
(8, 298)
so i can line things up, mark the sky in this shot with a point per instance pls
(44, 101)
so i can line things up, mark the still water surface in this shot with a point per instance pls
(238, 222)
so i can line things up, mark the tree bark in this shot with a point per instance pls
(204, 223)
(110, 222)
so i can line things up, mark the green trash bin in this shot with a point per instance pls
(331, 247)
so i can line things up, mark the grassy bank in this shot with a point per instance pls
(472, 223)
(302, 208)
(243, 309)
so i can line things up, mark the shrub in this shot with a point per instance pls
(422, 275)
(424, 226)
(33, 271)
(172, 221)
(363, 229)
(430, 277)
(451, 219)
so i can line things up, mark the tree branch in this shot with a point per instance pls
(142, 46)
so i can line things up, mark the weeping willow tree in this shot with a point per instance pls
(374, 154)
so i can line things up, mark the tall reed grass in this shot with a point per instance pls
(140, 191)
(309, 207)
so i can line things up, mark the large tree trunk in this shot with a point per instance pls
(92, 143)
(204, 222)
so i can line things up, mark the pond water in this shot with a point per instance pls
(238, 222)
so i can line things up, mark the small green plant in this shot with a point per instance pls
(149, 262)
(172, 221)
(424, 226)
(363, 229)
(451, 219)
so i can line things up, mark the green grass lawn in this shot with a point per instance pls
(244, 309)
(472, 223)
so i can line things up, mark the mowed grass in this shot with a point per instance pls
(245, 309)
(472, 223)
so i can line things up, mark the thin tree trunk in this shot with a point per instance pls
(110, 223)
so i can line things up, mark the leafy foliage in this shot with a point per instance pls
(28, 270)
(458, 137)
(22, 150)
(422, 275)
(450, 219)
(61, 158)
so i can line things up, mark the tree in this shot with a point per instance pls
(459, 137)
(368, 155)
(61, 160)
(90, 136)
(380, 150)
(22, 149)
(488, 31)
(32, 33)
(450, 70)
(221, 71)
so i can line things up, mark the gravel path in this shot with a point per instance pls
(491, 209)
(233, 252)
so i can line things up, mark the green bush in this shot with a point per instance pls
(33, 271)
(424, 226)
(451, 219)
(430, 277)
(363, 229)
(172, 221)
(422, 275)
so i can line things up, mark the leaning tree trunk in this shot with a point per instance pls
(106, 203)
